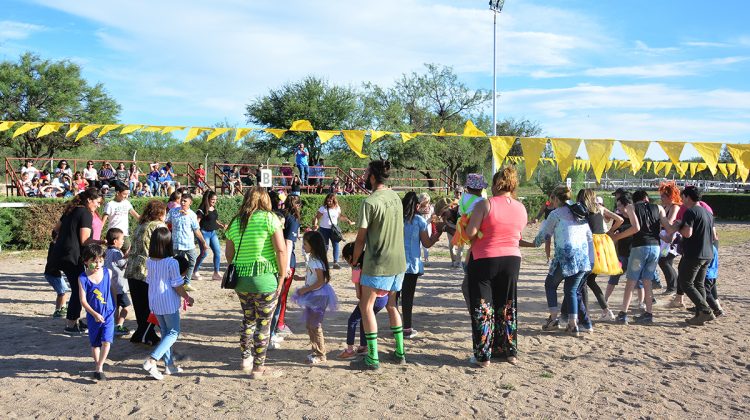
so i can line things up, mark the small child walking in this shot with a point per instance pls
(317, 295)
(115, 262)
(355, 319)
(96, 291)
(165, 287)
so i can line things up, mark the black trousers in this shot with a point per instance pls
(691, 276)
(492, 284)
(72, 271)
(591, 283)
(406, 296)
(670, 274)
(145, 332)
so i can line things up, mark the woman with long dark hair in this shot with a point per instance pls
(152, 218)
(208, 218)
(73, 232)
(416, 236)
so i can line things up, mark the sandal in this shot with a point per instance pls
(347, 354)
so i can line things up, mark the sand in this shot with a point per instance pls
(666, 370)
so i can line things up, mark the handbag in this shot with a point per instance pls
(230, 279)
(336, 235)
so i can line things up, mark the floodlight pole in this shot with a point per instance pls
(496, 6)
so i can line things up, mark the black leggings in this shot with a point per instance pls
(72, 272)
(145, 332)
(670, 274)
(712, 294)
(591, 283)
(406, 295)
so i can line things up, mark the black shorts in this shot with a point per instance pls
(123, 300)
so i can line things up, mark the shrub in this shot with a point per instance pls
(729, 206)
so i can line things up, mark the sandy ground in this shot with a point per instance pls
(667, 370)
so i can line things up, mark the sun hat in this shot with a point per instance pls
(476, 182)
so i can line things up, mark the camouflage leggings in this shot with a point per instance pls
(257, 309)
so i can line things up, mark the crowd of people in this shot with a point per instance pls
(109, 271)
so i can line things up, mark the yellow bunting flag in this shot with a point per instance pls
(741, 155)
(470, 130)
(88, 129)
(216, 133)
(355, 139)
(731, 168)
(241, 132)
(443, 133)
(673, 149)
(154, 128)
(658, 166)
(377, 135)
(407, 136)
(26, 127)
(533, 147)
(702, 167)
(326, 135)
(301, 125)
(648, 166)
(171, 128)
(6, 125)
(277, 132)
(73, 128)
(723, 169)
(194, 132)
(693, 168)
(130, 128)
(625, 164)
(667, 168)
(500, 146)
(565, 151)
(682, 168)
(599, 151)
(710, 153)
(48, 128)
(107, 128)
(636, 150)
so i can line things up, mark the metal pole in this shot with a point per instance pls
(494, 83)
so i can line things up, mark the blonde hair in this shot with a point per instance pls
(562, 193)
(423, 198)
(255, 198)
(505, 180)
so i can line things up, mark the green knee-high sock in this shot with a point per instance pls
(398, 336)
(372, 348)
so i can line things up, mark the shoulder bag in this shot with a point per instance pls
(229, 281)
(336, 235)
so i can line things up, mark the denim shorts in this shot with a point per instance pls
(642, 263)
(60, 284)
(389, 283)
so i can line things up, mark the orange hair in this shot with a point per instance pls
(670, 190)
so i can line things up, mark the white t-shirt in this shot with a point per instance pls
(467, 203)
(325, 222)
(33, 172)
(118, 214)
(310, 276)
(90, 174)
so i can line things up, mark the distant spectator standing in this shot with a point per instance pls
(301, 159)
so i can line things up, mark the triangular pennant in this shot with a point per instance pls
(500, 146)
(72, 129)
(673, 149)
(107, 128)
(130, 128)
(277, 132)
(407, 136)
(88, 129)
(667, 168)
(533, 147)
(377, 135)
(648, 166)
(241, 132)
(710, 153)
(625, 164)
(565, 151)
(6, 125)
(153, 128)
(48, 128)
(470, 130)
(194, 132)
(636, 150)
(326, 135)
(693, 169)
(355, 139)
(731, 168)
(301, 125)
(587, 165)
(682, 168)
(723, 169)
(658, 166)
(741, 155)
(702, 167)
(216, 133)
(599, 151)
(170, 128)
(26, 127)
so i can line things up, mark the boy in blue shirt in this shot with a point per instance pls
(97, 298)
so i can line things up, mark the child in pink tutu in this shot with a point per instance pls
(316, 296)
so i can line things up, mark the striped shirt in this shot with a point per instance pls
(255, 254)
(183, 227)
(163, 276)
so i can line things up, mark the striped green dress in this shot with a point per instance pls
(255, 258)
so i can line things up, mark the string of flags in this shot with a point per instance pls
(564, 150)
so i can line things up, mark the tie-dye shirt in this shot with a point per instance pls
(574, 246)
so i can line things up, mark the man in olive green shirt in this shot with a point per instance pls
(381, 238)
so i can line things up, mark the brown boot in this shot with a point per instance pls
(700, 318)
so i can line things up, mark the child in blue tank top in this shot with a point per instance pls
(97, 298)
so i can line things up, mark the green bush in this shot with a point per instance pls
(729, 206)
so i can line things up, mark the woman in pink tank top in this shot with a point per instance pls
(492, 273)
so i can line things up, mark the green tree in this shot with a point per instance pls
(326, 106)
(34, 89)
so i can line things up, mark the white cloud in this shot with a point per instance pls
(682, 68)
(642, 47)
(10, 30)
(706, 44)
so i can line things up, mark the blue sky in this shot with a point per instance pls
(592, 69)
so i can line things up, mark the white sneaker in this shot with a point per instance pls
(607, 315)
(196, 277)
(247, 364)
(172, 370)
(275, 342)
(642, 306)
(152, 370)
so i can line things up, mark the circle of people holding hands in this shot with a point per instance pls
(151, 270)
